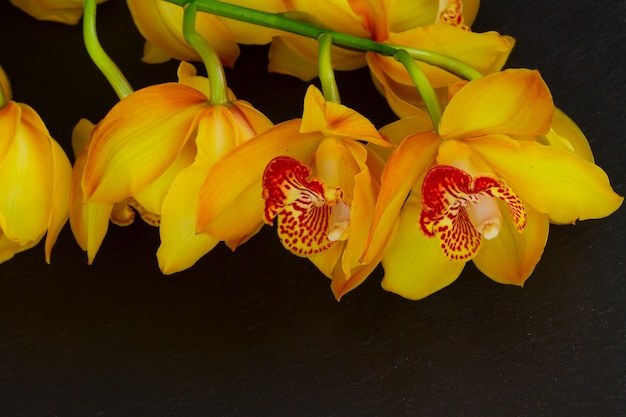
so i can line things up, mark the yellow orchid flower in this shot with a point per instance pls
(485, 188)
(411, 24)
(34, 179)
(449, 35)
(404, 15)
(297, 56)
(63, 11)
(150, 154)
(311, 175)
(160, 23)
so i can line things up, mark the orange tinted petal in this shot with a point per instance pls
(555, 182)
(61, 186)
(410, 160)
(161, 24)
(336, 120)
(138, 140)
(89, 222)
(231, 203)
(415, 266)
(515, 101)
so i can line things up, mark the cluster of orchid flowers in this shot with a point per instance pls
(476, 167)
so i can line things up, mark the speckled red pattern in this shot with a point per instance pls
(447, 192)
(302, 211)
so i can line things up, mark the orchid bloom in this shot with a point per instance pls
(297, 56)
(437, 26)
(149, 155)
(447, 34)
(160, 23)
(485, 188)
(34, 179)
(313, 177)
(63, 11)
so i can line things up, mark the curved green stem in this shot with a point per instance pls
(450, 64)
(424, 86)
(112, 73)
(281, 22)
(326, 72)
(212, 63)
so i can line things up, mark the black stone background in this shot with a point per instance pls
(257, 332)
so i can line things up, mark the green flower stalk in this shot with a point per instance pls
(112, 73)
(214, 68)
(425, 88)
(326, 72)
(281, 22)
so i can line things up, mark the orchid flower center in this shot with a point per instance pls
(460, 209)
(451, 13)
(310, 219)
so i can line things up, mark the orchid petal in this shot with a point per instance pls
(410, 160)
(362, 206)
(153, 55)
(481, 51)
(403, 99)
(230, 205)
(187, 75)
(138, 139)
(61, 186)
(332, 14)
(566, 135)
(374, 16)
(297, 56)
(25, 180)
(152, 196)
(220, 129)
(161, 24)
(511, 257)
(336, 166)
(342, 282)
(249, 34)
(415, 266)
(10, 117)
(510, 102)
(9, 248)
(397, 131)
(337, 120)
(555, 182)
(327, 262)
(62, 11)
(405, 15)
(81, 134)
(89, 221)
(180, 245)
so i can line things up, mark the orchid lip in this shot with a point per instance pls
(461, 209)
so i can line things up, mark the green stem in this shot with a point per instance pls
(281, 22)
(326, 72)
(214, 68)
(452, 65)
(424, 86)
(112, 73)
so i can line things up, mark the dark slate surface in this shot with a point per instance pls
(257, 332)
